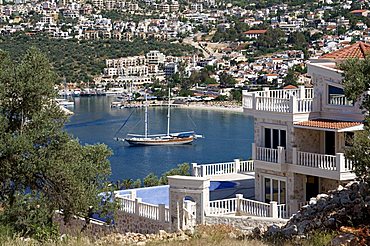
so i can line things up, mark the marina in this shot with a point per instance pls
(94, 121)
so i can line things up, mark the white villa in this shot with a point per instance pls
(300, 134)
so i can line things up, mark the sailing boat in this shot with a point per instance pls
(177, 138)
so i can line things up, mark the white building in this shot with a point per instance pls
(300, 134)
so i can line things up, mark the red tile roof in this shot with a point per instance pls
(358, 11)
(357, 50)
(290, 87)
(255, 32)
(328, 124)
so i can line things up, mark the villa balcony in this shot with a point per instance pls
(335, 167)
(269, 158)
(290, 101)
(326, 166)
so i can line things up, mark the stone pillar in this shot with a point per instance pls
(237, 165)
(254, 151)
(293, 104)
(302, 92)
(195, 187)
(281, 155)
(293, 207)
(340, 162)
(274, 210)
(194, 170)
(294, 161)
(161, 212)
(238, 203)
(133, 194)
(137, 203)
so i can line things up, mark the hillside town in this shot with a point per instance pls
(257, 45)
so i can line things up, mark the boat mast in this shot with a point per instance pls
(146, 116)
(169, 111)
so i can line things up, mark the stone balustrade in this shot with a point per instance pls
(282, 101)
(268, 154)
(242, 206)
(207, 170)
(335, 162)
(134, 205)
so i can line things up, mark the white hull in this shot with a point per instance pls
(159, 141)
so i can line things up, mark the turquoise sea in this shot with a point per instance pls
(228, 135)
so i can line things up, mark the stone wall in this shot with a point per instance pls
(124, 222)
(245, 223)
(308, 140)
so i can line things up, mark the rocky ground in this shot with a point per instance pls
(345, 211)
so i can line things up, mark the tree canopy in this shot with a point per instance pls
(356, 83)
(42, 168)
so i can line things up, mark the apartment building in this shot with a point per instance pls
(300, 134)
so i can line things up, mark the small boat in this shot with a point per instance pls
(178, 138)
(65, 103)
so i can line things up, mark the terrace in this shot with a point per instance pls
(286, 101)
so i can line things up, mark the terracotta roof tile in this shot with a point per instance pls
(255, 32)
(357, 50)
(328, 124)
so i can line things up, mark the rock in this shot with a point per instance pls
(141, 243)
(290, 231)
(346, 239)
(330, 222)
(273, 229)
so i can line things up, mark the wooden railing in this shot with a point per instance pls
(237, 166)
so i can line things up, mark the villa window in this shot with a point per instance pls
(274, 190)
(336, 96)
(274, 138)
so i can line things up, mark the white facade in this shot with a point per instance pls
(300, 136)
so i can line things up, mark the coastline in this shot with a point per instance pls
(228, 108)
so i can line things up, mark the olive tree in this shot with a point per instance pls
(42, 168)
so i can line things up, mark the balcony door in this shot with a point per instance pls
(329, 143)
(312, 187)
(275, 138)
(274, 190)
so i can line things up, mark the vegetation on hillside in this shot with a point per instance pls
(356, 83)
(42, 168)
(81, 60)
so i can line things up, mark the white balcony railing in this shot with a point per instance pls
(327, 162)
(340, 100)
(321, 161)
(142, 209)
(237, 166)
(282, 101)
(268, 154)
(242, 206)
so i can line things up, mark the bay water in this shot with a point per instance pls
(227, 135)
